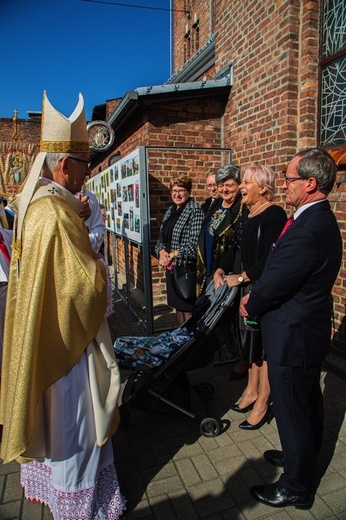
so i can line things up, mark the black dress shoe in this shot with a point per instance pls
(267, 418)
(274, 457)
(235, 408)
(276, 496)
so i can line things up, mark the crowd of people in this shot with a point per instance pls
(60, 379)
(285, 270)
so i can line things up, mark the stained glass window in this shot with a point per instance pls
(333, 74)
(334, 27)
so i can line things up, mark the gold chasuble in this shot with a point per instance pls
(55, 307)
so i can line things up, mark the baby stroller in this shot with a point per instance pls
(159, 382)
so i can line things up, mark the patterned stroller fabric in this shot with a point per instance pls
(147, 352)
(142, 353)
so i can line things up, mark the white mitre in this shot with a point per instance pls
(59, 134)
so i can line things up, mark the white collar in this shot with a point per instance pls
(306, 206)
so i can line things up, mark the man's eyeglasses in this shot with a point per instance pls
(80, 160)
(211, 185)
(292, 179)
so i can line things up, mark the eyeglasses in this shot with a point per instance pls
(292, 179)
(228, 186)
(211, 185)
(179, 192)
(79, 160)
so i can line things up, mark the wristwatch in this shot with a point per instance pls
(240, 279)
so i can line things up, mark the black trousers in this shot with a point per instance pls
(298, 405)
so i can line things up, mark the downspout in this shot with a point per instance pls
(211, 30)
(171, 20)
(210, 18)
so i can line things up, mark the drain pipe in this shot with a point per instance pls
(171, 58)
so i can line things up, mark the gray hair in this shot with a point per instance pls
(52, 160)
(320, 165)
(230, 171)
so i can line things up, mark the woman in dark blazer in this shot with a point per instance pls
(252, 240)
(217, 229)
(177, 241)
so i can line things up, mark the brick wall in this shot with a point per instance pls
(177, 128)
(185, 25)
(273, 106)
(29, 129)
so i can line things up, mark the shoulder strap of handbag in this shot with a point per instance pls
(258, 241)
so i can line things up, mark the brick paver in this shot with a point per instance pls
(167, 470)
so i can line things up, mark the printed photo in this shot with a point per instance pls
(130, 194)
(137, 224)
(137, 194)
(126, 221)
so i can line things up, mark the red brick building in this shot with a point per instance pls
(252, 81)
(262, 79)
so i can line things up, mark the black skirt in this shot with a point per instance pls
(173, 299)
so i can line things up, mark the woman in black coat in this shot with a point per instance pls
(217, 229)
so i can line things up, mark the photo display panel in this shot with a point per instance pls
(118, 189)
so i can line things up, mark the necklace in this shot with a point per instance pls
(257, 210)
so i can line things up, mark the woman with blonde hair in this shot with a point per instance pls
(252, 240)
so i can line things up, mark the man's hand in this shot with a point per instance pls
(242, 310)
(85, 212)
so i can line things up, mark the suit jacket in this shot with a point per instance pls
(292, 296)
(206, 204)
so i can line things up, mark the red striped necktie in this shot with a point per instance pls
(3, 248)
(286, 226)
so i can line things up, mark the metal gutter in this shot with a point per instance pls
(133, 98)
(126, 106)
(200, 62)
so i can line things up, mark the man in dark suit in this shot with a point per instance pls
(214, 193)
(292, 300)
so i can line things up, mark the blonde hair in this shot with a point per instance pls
(263, 175)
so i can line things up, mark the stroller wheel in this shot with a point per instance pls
(205, 389)
(209, 427)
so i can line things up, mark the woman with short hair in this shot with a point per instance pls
(177, 242)
(217, 229)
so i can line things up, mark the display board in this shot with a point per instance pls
(119, 189)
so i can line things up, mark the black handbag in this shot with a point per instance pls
(184, 278)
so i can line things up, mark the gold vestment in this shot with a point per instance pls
(55, 306)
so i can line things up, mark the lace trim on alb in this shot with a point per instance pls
(101, 501)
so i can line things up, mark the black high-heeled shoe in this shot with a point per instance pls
(267, 418)
(235, 407)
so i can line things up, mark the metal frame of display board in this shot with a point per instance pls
(125, 227)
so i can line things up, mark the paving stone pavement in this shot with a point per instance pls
(168, 470)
